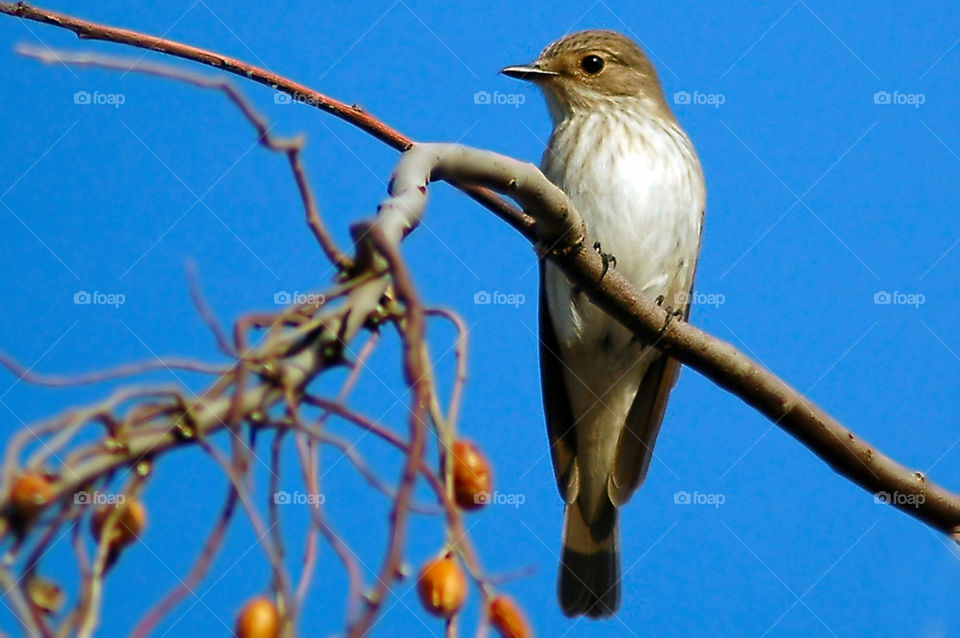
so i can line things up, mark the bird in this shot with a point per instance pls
(620, 155)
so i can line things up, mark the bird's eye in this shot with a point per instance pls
(592, 64)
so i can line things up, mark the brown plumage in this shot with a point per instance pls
(631, 171)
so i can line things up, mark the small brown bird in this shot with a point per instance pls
(619, 153)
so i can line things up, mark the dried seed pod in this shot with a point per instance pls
(507, 618)
(442, 587)
(472, 478)
(259, 618)
(31, 492)
(128, 527)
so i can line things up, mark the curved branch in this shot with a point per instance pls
(353, 114)
(849, 455)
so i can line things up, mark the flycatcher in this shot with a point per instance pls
(633, 174)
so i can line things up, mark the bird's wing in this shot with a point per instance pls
(635, 445)
(556, 404)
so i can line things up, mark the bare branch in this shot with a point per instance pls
(354, 114)
(292, 147)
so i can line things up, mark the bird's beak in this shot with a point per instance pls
(530, 72)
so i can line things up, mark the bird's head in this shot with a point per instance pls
(590, 70)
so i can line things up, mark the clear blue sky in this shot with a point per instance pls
(829, 183)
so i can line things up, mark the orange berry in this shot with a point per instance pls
(259, 618)
(507, 618)
(472, 479)
(442, 587)
(129, 526)
(31, 492)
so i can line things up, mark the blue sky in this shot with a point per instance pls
(829, 141)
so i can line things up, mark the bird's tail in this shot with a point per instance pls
(590, 567)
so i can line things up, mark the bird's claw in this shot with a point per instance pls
(607, 258)
(671, 315)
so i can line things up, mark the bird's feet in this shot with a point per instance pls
(607, 258)
(671, 315)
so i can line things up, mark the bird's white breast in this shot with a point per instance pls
(638, 184)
